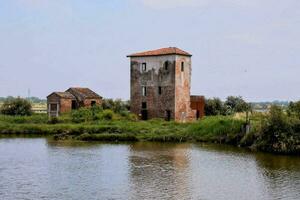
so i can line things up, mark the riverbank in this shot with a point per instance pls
(214, 129)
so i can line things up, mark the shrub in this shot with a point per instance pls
(280, 132)
(82, 115)
(132, 117)
(16, 106)
(106, 115)
(53, 120)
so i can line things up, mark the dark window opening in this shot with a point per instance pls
(166, 65)
(74, 105)
(93, 103)
(198, 114)
(144, 91)
(53, 107)
(182, 66)
(144, 115)
(168, 113)
(144, 105)
(159, 90)
(144, 67)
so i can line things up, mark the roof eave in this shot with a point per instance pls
(134, 56)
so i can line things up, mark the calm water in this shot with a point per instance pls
(39, 169)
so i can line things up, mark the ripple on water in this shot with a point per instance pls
(38, 169)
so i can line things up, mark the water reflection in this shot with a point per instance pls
(281, 175)
(159, 171)
(44, 169)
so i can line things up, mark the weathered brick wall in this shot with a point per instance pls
(198, 103)
(88, 102)
(65, 105)
(155, 76)
(183, 111)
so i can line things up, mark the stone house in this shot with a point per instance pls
(160, 85)
(73, 98)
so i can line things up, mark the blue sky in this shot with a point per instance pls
(239, 47)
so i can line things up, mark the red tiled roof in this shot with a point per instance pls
(162, 51)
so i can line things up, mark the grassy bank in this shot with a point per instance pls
(273, 133)
(213, 129)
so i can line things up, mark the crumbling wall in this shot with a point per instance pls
(88, 102)
(65, 105)
(155, 76)
(183, 111)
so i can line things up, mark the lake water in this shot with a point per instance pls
(41, 169)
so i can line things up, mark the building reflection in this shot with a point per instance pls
(159, 171)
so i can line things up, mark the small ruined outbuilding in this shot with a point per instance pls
(73, 98)
(160, 85)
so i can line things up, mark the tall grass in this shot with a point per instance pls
(216, 128)
(33, 119)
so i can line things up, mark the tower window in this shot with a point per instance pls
(144, 91)
(182, 66)
(166, 65)
(159, 90)
(144, 67)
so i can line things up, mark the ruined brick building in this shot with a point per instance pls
(73, 98)
(160, 85)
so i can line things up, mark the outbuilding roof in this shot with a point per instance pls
(66, 95)
(162, 51)
(83, 93)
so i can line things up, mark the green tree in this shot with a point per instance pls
(16, 106)
(214, 107)
(118, 106)
(237, 104)
(294, 109)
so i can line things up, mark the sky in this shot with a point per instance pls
(239, 47)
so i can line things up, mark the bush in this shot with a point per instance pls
(106, 115)
(16, 106)
(82, 115)
(279, 133)
(53, 120)
(132, 117)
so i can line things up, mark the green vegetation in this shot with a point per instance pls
(16, 106)
(280, 132)
(232, 105)
(120, 128)
(275, 131)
